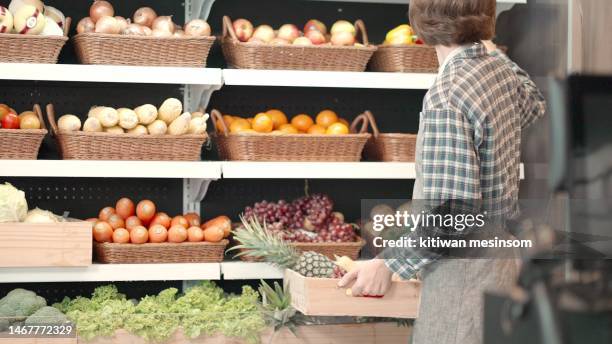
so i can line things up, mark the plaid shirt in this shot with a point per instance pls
(470, 139)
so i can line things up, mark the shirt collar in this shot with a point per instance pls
(464, 51)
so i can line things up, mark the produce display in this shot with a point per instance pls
(24, 307)
(402, 35)
(9, 119)
(275, 122)
(342, 33)
(141, 223)
(306, 219)
(168, 119)
(32, 17)
(144, 22)
(14, 208)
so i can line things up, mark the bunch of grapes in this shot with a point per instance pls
(270, 212)
(316, 209)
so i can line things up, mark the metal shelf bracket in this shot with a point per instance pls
(197, 9)
(194, 191)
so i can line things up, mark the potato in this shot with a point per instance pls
(69, 123)
(146, 113)
(170, 110)
(128, 119)
(158, 127)
(180, 126)
(92, 124)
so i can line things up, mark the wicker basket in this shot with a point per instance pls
(389, 147)
(107, 49)
(328, 249)
(292, 57)
(185, 252)
(17, 48)
(81, 145)
(288, 147)
(405, 59)
(22, 144)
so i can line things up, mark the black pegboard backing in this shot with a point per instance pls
(84, 197)
(229, 197)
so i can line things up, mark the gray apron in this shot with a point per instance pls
(451, 309)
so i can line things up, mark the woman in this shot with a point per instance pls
(468, 148)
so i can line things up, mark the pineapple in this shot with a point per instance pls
(257, 242)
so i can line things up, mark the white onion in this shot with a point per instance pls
(123, 23)
(99, 9)
(163, 23)
(197, 28)
(170, 109)
(108, 25)
(86, 25)
(139, 130)
(144, 16)
(158, 127)
(128, 119)
(146, 113)
(92, 124)
(134, 30)
(69, 123)
(161, 33)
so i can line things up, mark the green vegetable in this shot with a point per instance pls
(17, 305)
(153, 318)
(47, 316)
(13, 205)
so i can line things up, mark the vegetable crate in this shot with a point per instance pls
(10, 340)
(322, 297)
(60, 244)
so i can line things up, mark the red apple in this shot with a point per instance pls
(264, 33)
(288, 32)
(10, 121)
(315, 25)
(343, 38)
(302, 41)
(243, 29)
(343, 26)
(316, 37)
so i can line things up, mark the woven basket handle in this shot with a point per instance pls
(51, 118)
(364, 124)
(361, 29)
(67, 27)
(216, 116)
(228, 28)
(38, 111)
(372, 122)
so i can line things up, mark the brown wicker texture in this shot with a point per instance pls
(329, 249)
(81, 145)
(22, 144)
(288, 147)
(247, 55)
(389, 147)
(185, 252)
(107, 49)
(17, 48)
(405, 58)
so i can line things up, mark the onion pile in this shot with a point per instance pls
(168, 119)
(144, 22)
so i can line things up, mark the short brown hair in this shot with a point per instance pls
(448, 22)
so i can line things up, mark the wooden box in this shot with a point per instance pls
(322, 297)
(45, 244)
(9, 340)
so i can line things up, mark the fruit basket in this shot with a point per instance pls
(416, 58)
(78, 145)
(391, 147)
(185, 252)
(289, 147)
(247, 55)
(22, 144)
(18, 48)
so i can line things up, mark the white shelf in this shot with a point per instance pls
(110, 169)
(120, 74)
(293, 78)
(114, 272)
(318, 170)
(249, 271)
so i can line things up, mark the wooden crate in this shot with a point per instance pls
(322, 297)
(45, 244)
(38, 340)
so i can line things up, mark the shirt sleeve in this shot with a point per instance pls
(532, 102)
(451, 184)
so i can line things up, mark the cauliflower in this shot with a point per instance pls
(17, 305)
(47, 316)
(13, 205)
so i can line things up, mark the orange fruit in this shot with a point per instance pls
(343, 121)
(288, 129)
(326, 118)
(238, 125)
(302, 122)
(250, 120)
(227, 119)
(247, 131)
(278, 117)
(337, 129)
(316, 129)
(262, 123)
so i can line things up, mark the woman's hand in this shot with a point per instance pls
(372, 278)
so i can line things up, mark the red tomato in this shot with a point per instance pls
(131, 222)
(177, 234)
(193, 219)
(121, 236)
(102, 232)
(105, 213)
(125, 208)
(158, 233)
(10, 121)
(139, 235)
(179, 220)
(195, 234)
(145, 210)
(161, 219)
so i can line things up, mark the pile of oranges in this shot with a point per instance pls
(275, 122)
